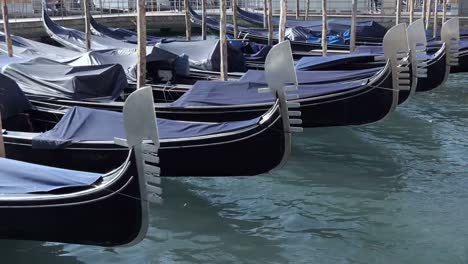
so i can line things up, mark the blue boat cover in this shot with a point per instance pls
(17, 177)
(29, 49)
(85, 124)
(218, 93)
(205, 54)
(315, 77)
(377, 50)
(76, 39)
(12, 99)
(318, 62)
(45, 77)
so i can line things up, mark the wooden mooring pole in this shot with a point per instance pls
(282, 25)
(411, 11)
(188, 23)
(87, 14)
(423, 11)
(297, 10)
(324, 27)
(270, 22)
(306, 16)
(398, 12)
(223, 41)
(203, 25)
(352, 42)
(434, 28)
(428, 15)
(444, 11)
(141, 49)
(6, 28)
(234, 18)
(265, 13)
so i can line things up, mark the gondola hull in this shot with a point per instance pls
(80, 218)
(436, 71)
(362, 105)
(462, 64)
(224, 155)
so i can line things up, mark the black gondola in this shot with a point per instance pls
(51, 204)
(368, 31)
(331, 104)
(260, 35)
(204, 149)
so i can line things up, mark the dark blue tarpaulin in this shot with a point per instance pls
(315, 77)
(84, 124)
(318, 62)
(211, 93)
(12, 99)
(17, 177)
(45, 77)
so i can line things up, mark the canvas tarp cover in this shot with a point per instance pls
(17, 177)
(318, 62)
(76, 39)
(44, 77)
(12, 99)
(85, 124)
(128, 60)
(315, 77)
(219, 93)
(25, 48)
(205, 54)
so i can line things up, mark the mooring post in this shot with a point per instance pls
(270, 22)
(444, 11)
(141, 50)
(423, 11)
(434, 28)
(352, 41)
(2, 145)
(234, 18)
(188, 23)
(398, 12)
(411, 11)
(428, 15)
(324, 27)
(203, 20)
(297, 10)
(306, 16)
(265, 14)
(87, 17)
(6, 28)
(223, 41)
(282, 25)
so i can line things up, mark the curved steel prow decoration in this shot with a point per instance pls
(417, 43)
(141, 127)
(281, 78)
(450, 35)
(395, 46)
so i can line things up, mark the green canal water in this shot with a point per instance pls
(391, 192)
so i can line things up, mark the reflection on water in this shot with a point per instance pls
(394, 191)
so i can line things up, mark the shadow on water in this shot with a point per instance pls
(26, 252)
